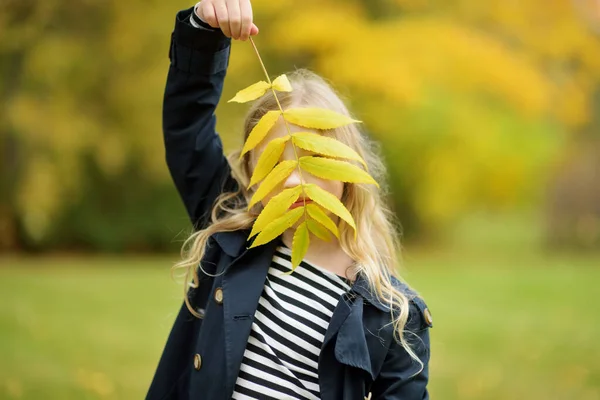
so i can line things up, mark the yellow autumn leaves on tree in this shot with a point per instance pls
(333, 163)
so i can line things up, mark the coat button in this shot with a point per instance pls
(427, 316)
(197, 362)
(219, 295)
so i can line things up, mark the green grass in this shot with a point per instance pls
(78, 328)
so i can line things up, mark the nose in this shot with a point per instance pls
(292, 180)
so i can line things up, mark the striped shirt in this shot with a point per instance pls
(294, 310)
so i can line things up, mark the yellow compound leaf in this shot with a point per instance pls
(250, 93)
(326, 146)
(317, 118)
(315, 212)
(276, 207)
(268, 159)
(279, 173)
(330, 203)
(282, 84)
(260, 130)
(300, 244)
(318, 230)
(336, 170)
(278, 226)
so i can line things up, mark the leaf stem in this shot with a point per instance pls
(286, 125)
(261, 63)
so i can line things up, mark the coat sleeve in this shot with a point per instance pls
(194, 151)
(401, 377)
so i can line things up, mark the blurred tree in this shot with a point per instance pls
(573, 203)
(81, 94)
(562, 39)
(471, 100)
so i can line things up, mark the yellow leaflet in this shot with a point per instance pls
(315, 212)
(299, 244)
(260, 130)
(330, 203)
(268, 159)
(276, 207)
(282, 84)
(318, 230)
(277, 227)
(279, 173)
(250, 93)
(317, 118)
(326, 146)
(335, 170)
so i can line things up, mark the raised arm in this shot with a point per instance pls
(194, 152)
(199, 57)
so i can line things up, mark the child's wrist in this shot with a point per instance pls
(197, 11)
(196, 19)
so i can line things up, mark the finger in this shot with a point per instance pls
(246, 15)
(207, 14)
(223, 18)
(235, 23)
(254, 30)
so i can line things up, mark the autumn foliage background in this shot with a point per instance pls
(488, 113)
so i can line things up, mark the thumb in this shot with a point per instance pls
(253, 30)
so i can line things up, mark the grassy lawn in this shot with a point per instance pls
(78, 328)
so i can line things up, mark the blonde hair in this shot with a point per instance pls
(376, 248)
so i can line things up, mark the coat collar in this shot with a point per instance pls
(361, 287)
(351, 346)
(346, 331)
(233, 244)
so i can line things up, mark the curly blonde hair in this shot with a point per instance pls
(375, 250)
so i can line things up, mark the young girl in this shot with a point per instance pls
(341, 326)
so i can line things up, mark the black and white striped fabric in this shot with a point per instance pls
(281, 357)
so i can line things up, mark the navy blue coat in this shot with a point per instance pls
(202, 356)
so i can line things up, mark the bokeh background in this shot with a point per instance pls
(488, 113)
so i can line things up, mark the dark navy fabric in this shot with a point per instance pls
(359, 354)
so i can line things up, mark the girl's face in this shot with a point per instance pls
(279, 130)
